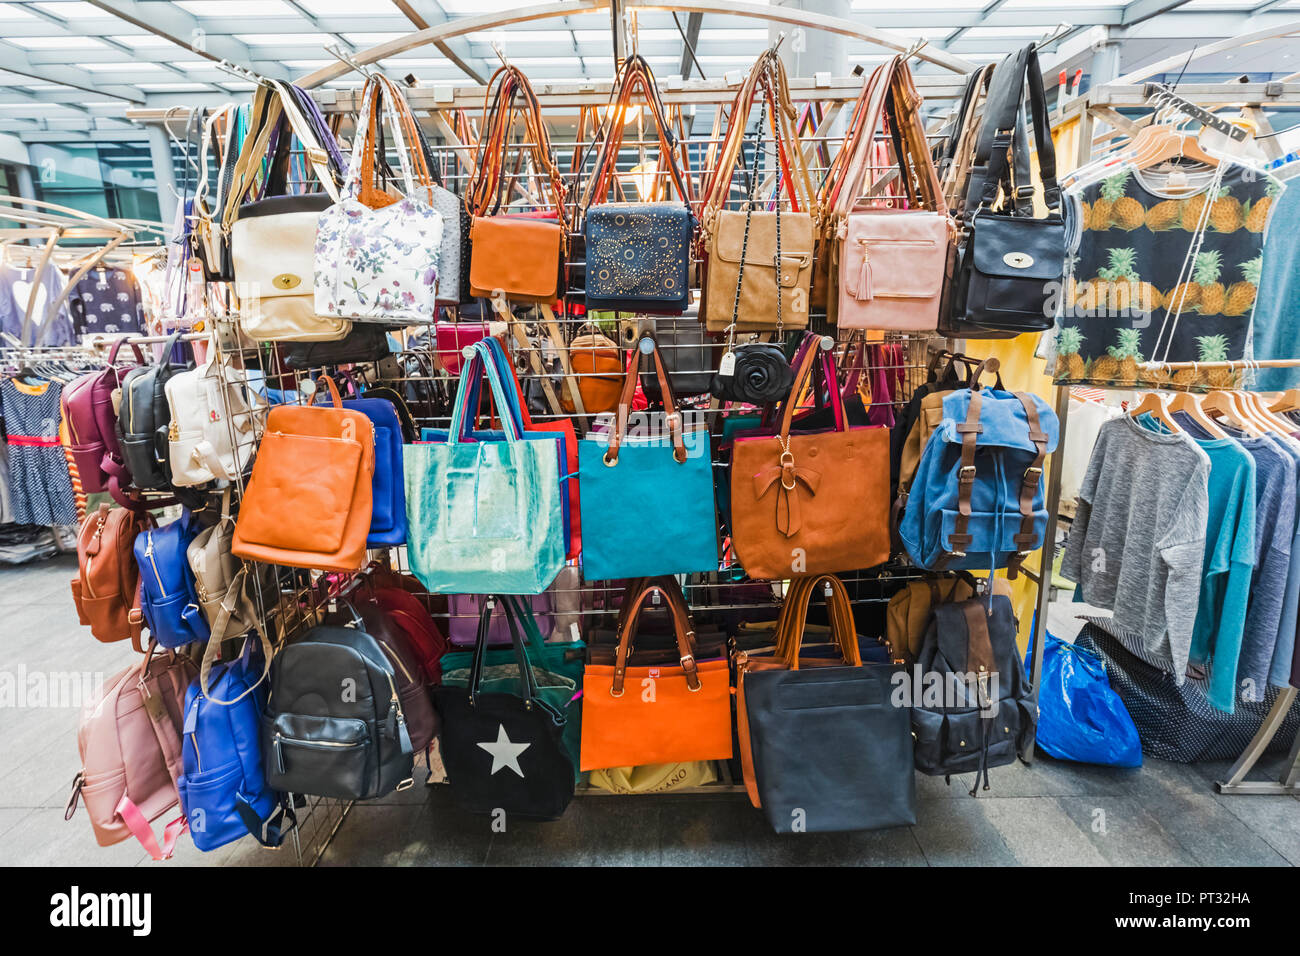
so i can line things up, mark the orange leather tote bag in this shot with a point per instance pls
(641, 715)
(518, 257)
(811, 503)
(308, 503)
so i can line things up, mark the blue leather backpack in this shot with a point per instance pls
(168, 597)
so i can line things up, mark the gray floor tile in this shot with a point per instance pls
(959, 833)
(1039, 832)
(1125, 832)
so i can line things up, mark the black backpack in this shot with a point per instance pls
(971, 731)
(143, 417)
(333, 724)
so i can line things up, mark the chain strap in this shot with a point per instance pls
(744, 242)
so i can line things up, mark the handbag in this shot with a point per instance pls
(465, 610)
(388, 485)
(129, 738)
(106, 590)
(92, 425)
(655, 777)
(909, 611)
(215, 415)
(893, 253)
(362, 271)
(810, 503)
(686, 350)
(144, 420)
(168, 598)
(674, 713)
(273, 241)
(485, 516)
(743, 289)
(451, 339)
(517, 258)
(221, 580)
(758, 373)
(822, 745)
(503, 751)
(364, 342)
(638, 255)
(598, 365)
(321, 522)
(647, 500)
(1010, 262)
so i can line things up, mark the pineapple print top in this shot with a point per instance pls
(1127, 296)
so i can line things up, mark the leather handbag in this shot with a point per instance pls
(365, 342)
(273, 240)
(1011, 263)
(893, 252)
(686, 351)
(318, 523)
(144, 419)
(598, 365)
(130, 742)
(388, 485)
(758, 373)
(92, 425)
(823, 747)
(221, 581)
(451, 339)
(168, 598)
(215, 415)
(486, 513)
(987, 715)
(362, 272)
(515, 257)
(909, 611)
(503, 751)
(318, 741)
(638, 254)
(674, 712)
(647, 500)
(423, 636)
(744, 290)
(464, 611)
(810, 503)
(106, 589)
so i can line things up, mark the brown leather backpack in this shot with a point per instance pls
(106, 589)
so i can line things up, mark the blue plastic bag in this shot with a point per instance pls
(1079, 716)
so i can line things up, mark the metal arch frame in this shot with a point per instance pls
(566, 8)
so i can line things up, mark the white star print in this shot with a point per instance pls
(504, 753)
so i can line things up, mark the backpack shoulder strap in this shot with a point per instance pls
(1026, 539)
(960, 538)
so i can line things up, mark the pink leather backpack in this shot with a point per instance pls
(92, 426)
(130, 743)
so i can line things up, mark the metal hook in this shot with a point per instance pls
(336, 51)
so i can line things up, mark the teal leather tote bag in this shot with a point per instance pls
(485, 510)
(647, 499)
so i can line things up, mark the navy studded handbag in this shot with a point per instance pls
(638, 254)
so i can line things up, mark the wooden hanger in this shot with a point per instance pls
(1153, 403)
(1191, 405)
(1223, 404)
(1288, 401)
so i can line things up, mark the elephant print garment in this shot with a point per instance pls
(106, 300)
(1155, 273)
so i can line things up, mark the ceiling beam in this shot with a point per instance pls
(1142, 10)
(312, 19)
(172, 23)
(693, 23)
(14, 60)
(988, 10)
(422, 22)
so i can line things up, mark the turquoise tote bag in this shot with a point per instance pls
(485, 511)
(647, 500)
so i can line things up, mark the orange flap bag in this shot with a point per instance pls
(308, 503)
(666, 714)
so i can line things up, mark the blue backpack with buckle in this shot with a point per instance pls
(223, 788)
(976, 501)
(169, 600)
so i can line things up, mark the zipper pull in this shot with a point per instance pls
(148, 545)
(279, 754)
(173, 432)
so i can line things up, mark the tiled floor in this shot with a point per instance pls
(1047, 814)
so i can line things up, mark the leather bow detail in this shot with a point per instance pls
(786, 476)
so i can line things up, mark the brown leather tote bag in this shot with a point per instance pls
(309, 500)
(811, 503)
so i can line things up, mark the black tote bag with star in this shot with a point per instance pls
(502, 752)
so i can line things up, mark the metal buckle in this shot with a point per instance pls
(958, 554)
(1034, 470)
(406, 784)
(966, 473)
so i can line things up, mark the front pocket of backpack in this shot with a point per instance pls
(300, 494)
(322, 756)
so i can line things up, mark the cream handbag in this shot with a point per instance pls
(273, 241)
(215, 417)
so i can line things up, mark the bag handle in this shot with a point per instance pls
(335, 397)
(117, 347)
(1001, 116)
(481, 363)
(236, 598)
(380, 93)
(792, 623)
(684, 629)
(802, 374)
(527, 680)
(630, 378)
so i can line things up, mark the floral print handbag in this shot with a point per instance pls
(376, 252)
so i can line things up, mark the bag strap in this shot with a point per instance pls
(236, 598)
(382, 101)
(1025, 539)
(792, 624)
(684, 629)
(960, 538)
(630, 379)
(997, 136)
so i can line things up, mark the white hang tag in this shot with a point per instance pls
(727, 367)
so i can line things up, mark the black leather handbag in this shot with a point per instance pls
(761, 374)
(503, 752)
(688, 356)
(364, 343)
(637, 254)
(1010, 263)
(971, 646)
(143, 418)
(333, 724)
(823, 747)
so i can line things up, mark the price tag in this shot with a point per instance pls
(727, 367)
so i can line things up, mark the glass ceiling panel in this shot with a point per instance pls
(244, 8)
